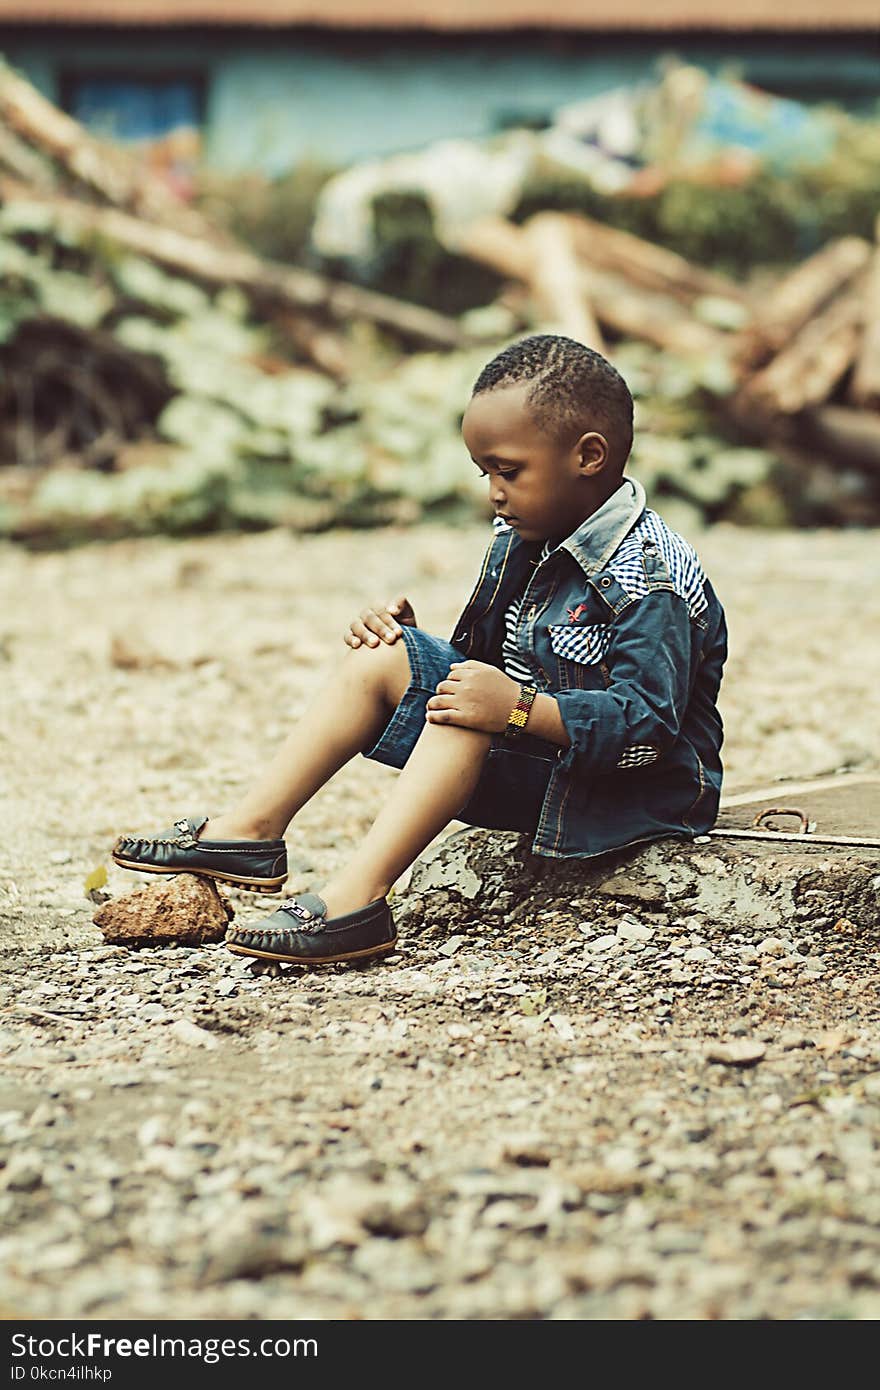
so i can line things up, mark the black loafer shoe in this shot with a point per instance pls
(300, 933)
(260, 865)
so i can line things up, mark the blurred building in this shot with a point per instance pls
(247, 84)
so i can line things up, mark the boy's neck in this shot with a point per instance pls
(613, 487)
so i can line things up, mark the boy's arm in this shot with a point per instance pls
(638, 716)
(545, 721)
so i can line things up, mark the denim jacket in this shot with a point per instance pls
(629, 638)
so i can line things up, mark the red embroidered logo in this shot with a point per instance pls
(575, 613)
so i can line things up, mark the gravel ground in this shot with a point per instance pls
(599, 1115)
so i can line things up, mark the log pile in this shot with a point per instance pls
(74, 209)
(804, 358)
(585, 279)
(119, 301)
(809, 359)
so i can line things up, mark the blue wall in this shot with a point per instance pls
(270, 100)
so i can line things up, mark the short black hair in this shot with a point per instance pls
(575, 388)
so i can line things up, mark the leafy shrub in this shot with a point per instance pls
(273, 216)
(768, 219)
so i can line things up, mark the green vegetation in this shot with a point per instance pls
(768, 219)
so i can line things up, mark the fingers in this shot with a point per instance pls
(373, 625)
(380, 621)
(440, 714)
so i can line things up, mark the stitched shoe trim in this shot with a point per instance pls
(274, 939)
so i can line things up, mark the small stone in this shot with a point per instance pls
(152, 1012)
(786, 1159)
(454, 944)
(23, 1173)
(98, 1207)
(741, 1052)
(772, 946)
(602, 943)
(634, 931)
(54, 1258)
(250, 1256)
(562, 1025)
(458, 1031)
(698, 953)
(154, 1130)
(186, 908)
(187, 1032)
(527, 1151)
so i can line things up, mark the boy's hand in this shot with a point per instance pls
(475, 696)
(380, 623)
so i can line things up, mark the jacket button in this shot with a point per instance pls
(605, 582)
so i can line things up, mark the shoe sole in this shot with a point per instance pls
(254, 885)
(383, 950)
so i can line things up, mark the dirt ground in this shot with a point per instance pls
(486, 1131)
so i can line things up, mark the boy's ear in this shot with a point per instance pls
(592, 451)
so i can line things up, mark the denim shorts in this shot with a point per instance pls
(510, 792)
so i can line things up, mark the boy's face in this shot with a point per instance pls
(542, 486)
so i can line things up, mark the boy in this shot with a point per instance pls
(576, 701)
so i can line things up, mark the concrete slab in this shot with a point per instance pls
(845, 806)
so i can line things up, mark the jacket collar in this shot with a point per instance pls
(597, 538)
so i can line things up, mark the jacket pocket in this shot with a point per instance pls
(585, 644)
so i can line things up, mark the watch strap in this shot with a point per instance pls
(516, 720)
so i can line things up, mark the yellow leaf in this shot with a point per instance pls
(96, 879)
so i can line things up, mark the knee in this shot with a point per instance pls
(386, 664)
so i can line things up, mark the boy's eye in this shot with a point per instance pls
(510, 473)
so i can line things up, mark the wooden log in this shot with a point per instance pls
(497, 243)
(268, 283)
(797, 299)
(106, 170)
(319, 344)
(848, 436)
(806, 372)
(24, 162)
(651, 318)
(865, 387)
(557, 282)
(623, 309)
(643, 263)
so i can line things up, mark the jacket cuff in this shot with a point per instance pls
(596, 727)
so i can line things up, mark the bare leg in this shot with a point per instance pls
(438, 778)
(345, 716)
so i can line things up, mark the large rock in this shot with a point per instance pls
(474, 879)
(187, 908)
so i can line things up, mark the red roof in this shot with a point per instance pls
(453, 15)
